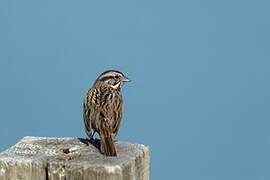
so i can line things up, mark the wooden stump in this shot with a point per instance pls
(43, 158)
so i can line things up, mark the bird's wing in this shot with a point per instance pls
(91, 103)
(87, 121)
(107, 146)
(117, 114)
(111, 108)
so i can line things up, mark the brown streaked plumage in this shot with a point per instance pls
(103, 109)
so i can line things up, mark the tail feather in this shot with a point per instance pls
(107, 146)
(106, 142)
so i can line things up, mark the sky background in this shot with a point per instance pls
(200, 73)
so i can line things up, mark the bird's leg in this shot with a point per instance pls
(114, 138)
(91, 139)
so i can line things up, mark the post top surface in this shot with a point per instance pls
(71, 150)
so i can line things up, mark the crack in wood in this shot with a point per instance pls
(47, 171)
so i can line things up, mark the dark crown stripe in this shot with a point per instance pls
(111, 71)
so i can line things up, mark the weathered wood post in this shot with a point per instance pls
(42, 158)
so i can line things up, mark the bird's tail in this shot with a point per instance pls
(107, 146)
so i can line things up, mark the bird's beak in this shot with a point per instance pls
(125, 79)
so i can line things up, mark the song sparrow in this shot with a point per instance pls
(103, 109)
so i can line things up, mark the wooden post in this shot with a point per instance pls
(43, 158)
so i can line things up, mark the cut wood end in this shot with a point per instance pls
(72, 158)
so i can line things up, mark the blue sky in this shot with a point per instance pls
(200, 73)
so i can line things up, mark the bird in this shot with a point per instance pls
(102, 109)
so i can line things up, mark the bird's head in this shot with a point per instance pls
(112, 78)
